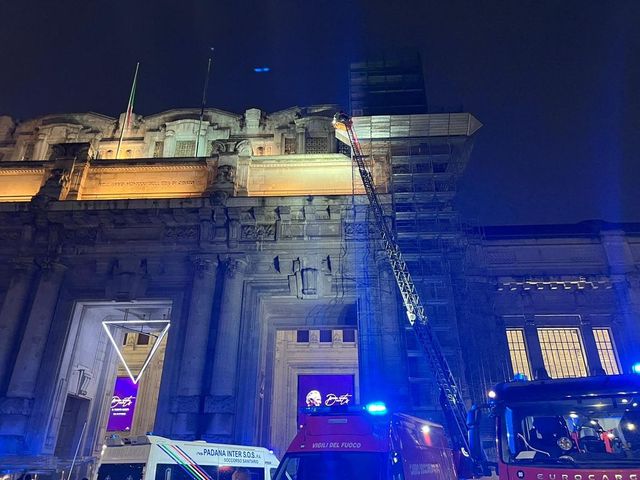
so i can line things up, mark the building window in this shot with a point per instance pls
(316, 145)
(143, 339)
(325, 336)
(518, 352)
(158, 150)
(302, 336)
(349, 335)
(290, 146)
(185, 148)
(28, 151)
(606, 351)
(562, 352)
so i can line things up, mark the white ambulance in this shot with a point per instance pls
(157, 458)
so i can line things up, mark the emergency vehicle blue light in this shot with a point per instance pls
(520, 377)
(376, 408)
(261, 69)
(635, 368)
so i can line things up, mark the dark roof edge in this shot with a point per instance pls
(587, 228)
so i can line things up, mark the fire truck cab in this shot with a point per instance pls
(366, 443)
(565, 429)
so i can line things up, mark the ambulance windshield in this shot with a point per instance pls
(333, 466)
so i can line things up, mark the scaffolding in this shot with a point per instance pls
(417, 160)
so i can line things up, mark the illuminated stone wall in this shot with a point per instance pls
(286, 153)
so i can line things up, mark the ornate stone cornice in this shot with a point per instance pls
(145, 168)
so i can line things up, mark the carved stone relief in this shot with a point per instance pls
(258, 232)
(226, 174)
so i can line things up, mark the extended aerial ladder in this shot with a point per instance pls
(451, 400)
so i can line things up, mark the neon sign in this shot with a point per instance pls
(123, 405)
(327, 390)
(163, 324)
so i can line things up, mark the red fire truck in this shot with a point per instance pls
(564, 429)
(366, 443)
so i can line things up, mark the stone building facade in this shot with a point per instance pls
(258, 248)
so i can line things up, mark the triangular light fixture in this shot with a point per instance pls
(159, 326)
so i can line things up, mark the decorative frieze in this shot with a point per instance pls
(185, 404)
(258, 232)
(181, 234)
(219, 404)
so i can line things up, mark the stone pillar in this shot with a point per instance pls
(394, 363)
(221, 402)
(188, 401)
(533, 344)
(27, 366)
(11, 313)
(370, 327)
(590, 348)
(15, 408)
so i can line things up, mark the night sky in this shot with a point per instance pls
(556, 83)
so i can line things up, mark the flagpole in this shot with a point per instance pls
(129, 109)
(204, 101)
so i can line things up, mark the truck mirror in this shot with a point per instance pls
(474, 416)
(473, 422)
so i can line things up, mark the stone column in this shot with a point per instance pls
(371, 364)
(11, 313)
(394, 360)
(221, 402)
(533, 344)
(594, 365)
(188, 401)
(34, 340)
(16, 407)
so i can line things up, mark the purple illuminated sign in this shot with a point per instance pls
(327, 390)
(123, 404)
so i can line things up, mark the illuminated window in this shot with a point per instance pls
(185, 148)
(562, 352)
(606, 351)
(158, 149)
(518, 352)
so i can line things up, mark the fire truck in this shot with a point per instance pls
(349, 442)
(564, 429)
(547, 429)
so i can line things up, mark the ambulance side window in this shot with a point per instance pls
(166, 471)
(240, 473)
